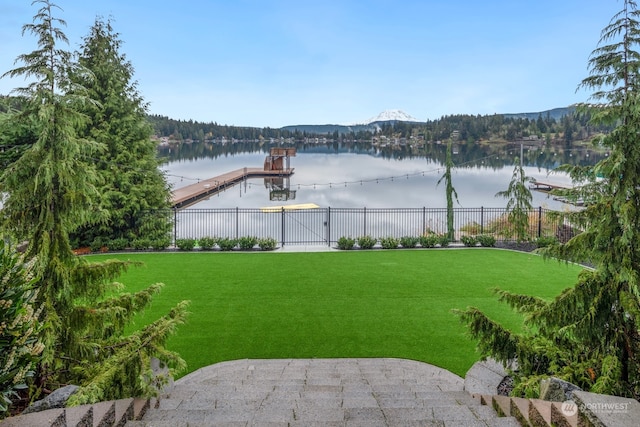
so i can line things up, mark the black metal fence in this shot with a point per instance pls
(327, 225)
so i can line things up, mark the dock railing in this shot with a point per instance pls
(326, 225)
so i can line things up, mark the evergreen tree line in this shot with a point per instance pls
(78, 161)
(470, 128)
(181, 130)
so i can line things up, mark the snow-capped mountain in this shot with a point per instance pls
(370, 125)
(391, 115)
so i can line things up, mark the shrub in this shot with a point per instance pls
(118, 244)
(544, 241)
(443, 240)
(389, 243)
(247, 243)
(206, 243)
(227, 244)
(366, 242)
(185, 244)
(486, 240)
(346, 243)
(267, 243)
(161, 244)
(469, 241)
(429, 240)
(409, 241)
(97, 244)
(141, 244)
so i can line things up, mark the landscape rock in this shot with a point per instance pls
(57, 399)
(557, 390)
(506, 386)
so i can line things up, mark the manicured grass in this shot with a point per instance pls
(338, 304)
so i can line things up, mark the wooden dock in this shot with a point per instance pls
(190, 194)
(547, 186)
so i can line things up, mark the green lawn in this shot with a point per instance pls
(337, 304)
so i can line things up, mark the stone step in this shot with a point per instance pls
(114, 413)
(124, 410)
(597, 409)
(529, 412)
(104, 414)
(329, 416)
(486, 399)
(560, 418)
(174, 423)
(504, 408)
(504, 422)
(520, 410)
(79, 416)
(502, 405)
(460, 397)
(51, 417)
(539, 413)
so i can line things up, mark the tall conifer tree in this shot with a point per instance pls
(49, 192)
(519, 199)
(131, 183)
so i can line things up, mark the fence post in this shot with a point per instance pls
(365, 220)
(481, 219)
(175, 225)
(329, 226)
(237, 223)
(282, 227)
(424, 221)
(539, 221)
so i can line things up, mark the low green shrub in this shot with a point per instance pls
(247, 243)
(267, 243)
(141, 244)
(389, 242)
(486, 240)
(118, 244)
(206, 243)
(366, 242)
(346, 243)
(161, 244)
(409, 241)
(429, 240)
(227, 244)
(544, 241)
(443, 240)
(185, 244)
(469, 241)
(97, 244)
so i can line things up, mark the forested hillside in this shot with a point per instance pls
(468, 128)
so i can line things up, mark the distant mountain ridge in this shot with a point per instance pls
(555, 113)
(391, 116)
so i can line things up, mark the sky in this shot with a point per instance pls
(273, 63)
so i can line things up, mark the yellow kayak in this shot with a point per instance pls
(300, 206)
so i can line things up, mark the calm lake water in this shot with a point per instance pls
(339, 177)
